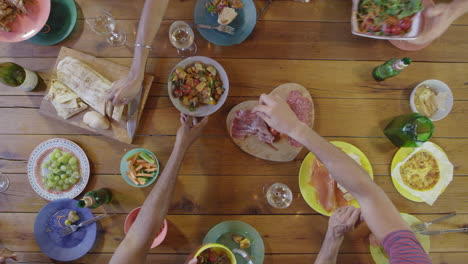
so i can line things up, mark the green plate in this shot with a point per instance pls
(124, 167)
(222, 234)
(62, 20)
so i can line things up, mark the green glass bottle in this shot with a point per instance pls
(13, 75)
(390, 68)
(96, 198)
(410, 130)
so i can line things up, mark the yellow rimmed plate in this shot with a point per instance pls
(380, 256)
(400, 156)
(309, 192)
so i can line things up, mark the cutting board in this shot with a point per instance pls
(112, 72)
(280, 150)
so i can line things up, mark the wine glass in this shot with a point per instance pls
(278, 195)
(182, 38)
(105, 25)
(4, 182)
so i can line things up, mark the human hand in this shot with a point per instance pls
(6, 254)
(436, 19)
(193, 261)
(190, 129)
(277, 114)
(343, 220)
(124, 90)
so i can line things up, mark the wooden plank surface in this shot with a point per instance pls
(310, 44)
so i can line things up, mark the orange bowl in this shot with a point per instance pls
(131, 218)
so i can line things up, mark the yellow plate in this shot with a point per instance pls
(400, 156)
(380, 256)
(309, 192)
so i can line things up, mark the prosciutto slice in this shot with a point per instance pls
(247, 123)
(302, 107)
(327, 192)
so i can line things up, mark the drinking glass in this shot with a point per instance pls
(410, 130)
(4, 182)
(182, 38)
(278, 195)
(105, 25)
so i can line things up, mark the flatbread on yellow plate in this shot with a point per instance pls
(380, 256)
(309, 192)
(400, 156)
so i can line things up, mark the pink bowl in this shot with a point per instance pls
(131, 218)
(26, 26)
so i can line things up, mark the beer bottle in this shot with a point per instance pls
(391, 68)
(13, 75)
(96, 198)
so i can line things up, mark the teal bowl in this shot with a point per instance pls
(59, 25)
(124, 167)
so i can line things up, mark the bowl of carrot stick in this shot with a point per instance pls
(139, 167)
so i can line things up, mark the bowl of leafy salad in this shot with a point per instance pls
(387, 19)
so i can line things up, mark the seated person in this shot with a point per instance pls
(137, 242)
(378, 211)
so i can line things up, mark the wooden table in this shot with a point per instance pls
(310, 44)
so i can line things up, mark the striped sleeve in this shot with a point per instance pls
(402, 247)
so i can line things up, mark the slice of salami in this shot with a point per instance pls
(302, 107)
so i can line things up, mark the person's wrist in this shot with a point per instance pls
(299, 130)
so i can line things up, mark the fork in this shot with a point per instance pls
(423, 226)
(72, 228)
(221, 28)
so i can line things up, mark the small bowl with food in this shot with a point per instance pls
(211, 254)
(392, 20)
(432, 98)
(139, 167)
(198, 86)
(131, 217)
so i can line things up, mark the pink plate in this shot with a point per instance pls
(131, 217)
(26, 26)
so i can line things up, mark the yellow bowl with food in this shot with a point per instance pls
(198, 86)
(212, 253)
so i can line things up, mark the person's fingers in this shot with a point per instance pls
(436, 10)
(355, 213)
(263, 116)
(193, 261)
(262, 109)
(266, 99)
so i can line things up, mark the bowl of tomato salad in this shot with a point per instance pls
(387, 19)
(212, 253)
(198, 86)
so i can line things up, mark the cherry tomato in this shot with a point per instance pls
(196, 82)
(404, 24)
(396, 30)
(177, 93)
(186, 89)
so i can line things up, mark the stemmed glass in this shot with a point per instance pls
(182, 38)
(4, 182)
(105, 25)
(278, 195)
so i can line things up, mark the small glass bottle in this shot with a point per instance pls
(96, 198)
(13, 75)
(390, 68)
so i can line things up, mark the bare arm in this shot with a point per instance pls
(137, 242)
(379, 212)
(124, 90)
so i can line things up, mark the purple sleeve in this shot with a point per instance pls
(403, 247)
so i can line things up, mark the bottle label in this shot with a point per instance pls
(399, 65)
(30, 81)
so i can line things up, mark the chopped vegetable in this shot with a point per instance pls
(217, 6)
(242, 241)
(141, 168)
(197, 85)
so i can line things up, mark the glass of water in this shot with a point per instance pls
(105, 25)
(278, 195)
(182, 38)
(4, 182)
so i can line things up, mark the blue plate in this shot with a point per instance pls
(62, 20)
(49, 222)
(244, 24)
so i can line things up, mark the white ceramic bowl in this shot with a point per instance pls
(438, 87)
(412, 34)
(202, 110)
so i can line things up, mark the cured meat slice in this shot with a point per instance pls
(247, 123)
(327, 191)
(302, 107)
